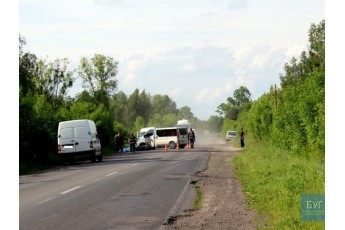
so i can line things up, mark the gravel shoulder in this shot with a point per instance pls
(223, 202)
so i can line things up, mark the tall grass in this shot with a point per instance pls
(273, 181)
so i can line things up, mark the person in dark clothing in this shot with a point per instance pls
(119, 142)
(242, 138)
(132, 140)
(191, 138)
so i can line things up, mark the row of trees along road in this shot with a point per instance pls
(44, 102)
(292, 116)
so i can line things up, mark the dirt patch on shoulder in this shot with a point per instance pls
(223, 202)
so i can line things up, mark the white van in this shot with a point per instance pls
(170, 137)
(78, 139)
(140, 137)
(184, 124)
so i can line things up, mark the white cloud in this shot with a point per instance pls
(237, 4)
(229, 87)
(203, 47)
(129, 71)
(188, 68)
(295, 50)
(208, 95)
(174, 93)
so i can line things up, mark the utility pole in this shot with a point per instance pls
(275, 96)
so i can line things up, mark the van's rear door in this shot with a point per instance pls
(183, 136)
(82, 138)
(67, 140)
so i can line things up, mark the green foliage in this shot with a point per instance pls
(311, 61)
(104, 122)
(300, 120)
(293, 117)
(43, 104)
(119, 128)
(241, 96)
(99, 77)
(52, 80)
(235, 105)
(260, 117)
(138, 124)
(185, 112)
(163, 104)
(229, 124)
(273, 181)
(27, 63)
(119, 108)
(81, 110)
(285, 141)
(139, 104)
(37, 128)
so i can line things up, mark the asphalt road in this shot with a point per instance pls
(129, 191)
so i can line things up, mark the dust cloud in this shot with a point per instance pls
(208, 139)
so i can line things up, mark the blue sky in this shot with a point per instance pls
(197, 52)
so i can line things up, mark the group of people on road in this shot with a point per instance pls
(119, 141)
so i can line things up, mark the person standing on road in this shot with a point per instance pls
(191, 138)
(132, 140)
(119, 142)
(242, 138)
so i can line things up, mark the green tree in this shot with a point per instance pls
(119, 108)
(234, 105)
(27, 65)
(53, 80)
(84, 96)
(81, 110)
(185, 112)
(313, 60)
(134, 105)
(104, 122)
(99, 77)
(163, 104)
(241, 96)
(145, 106)
(138, 124)
(260, 116)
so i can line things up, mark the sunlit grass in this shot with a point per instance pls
(274, 180)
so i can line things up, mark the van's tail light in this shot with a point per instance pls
(59, 148)
(91, 144)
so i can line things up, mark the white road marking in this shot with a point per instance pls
(134, 164)
(110, 174)
(70, 190)
(45, 200)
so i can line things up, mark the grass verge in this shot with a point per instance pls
(273, 181)
(198, 198)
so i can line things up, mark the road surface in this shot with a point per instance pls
(129, 191)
